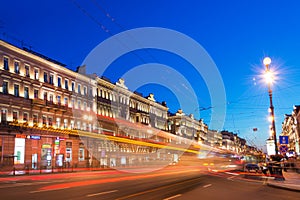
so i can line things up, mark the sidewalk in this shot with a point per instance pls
(291, 182)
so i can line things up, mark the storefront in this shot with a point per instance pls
(46, 156)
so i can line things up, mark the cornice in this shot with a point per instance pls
(46, 62)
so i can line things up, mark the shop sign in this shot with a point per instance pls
(34, 137)
(21, 136)
(46, 146)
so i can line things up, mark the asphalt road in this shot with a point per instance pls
(178, 183)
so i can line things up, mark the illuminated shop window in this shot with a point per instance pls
(81, 154)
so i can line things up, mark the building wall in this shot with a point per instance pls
(41, 97)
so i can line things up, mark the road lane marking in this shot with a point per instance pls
(37, 191)
(231, 177)
(101, 193)
(172, 197)
(208, 185)
(155, 189)
(235, 174)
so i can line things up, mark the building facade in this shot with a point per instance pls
(50, 115)
(291, 128)
(214, 138)
(187, 127)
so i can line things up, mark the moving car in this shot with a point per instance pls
(252, 167)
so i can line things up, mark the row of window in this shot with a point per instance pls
(124, 100)
(46, 97)
(46, 121)
(48, 77)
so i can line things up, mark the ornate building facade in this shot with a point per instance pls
(187, 127)
(291, 128)
(50, 115)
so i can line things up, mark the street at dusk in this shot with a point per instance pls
(176, 182)
(136, 99)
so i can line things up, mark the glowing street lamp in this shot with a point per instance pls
(269, 78)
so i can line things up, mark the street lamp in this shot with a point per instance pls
(269, 77)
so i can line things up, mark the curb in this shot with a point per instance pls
(283, 187)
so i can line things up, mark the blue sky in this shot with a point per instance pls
(236, 34)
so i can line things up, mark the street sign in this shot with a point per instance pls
(283, 149)
(284, 139)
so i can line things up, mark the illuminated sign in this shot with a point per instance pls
(271, 147)
(21, 136)
(34, 137)
(56, 142)
(46, 146)
(284, 139)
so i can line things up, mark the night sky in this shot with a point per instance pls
(236, 34)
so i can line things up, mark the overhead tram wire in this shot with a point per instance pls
(114, 21)
(106, 30)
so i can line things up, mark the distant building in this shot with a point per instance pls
(187, 127)
(291, 128)
(232, 142)
(214, 138)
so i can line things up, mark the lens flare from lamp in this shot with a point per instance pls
(269, 77)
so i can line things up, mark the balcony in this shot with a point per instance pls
(38, 102)
(10, 99)
(103, 100)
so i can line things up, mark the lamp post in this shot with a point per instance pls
(269, 79)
